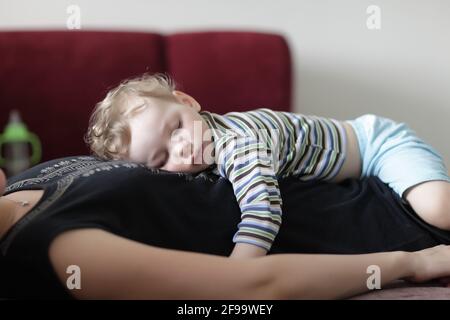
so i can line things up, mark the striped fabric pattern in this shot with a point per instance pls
(253, 149)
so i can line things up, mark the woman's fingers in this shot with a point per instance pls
(432, 263)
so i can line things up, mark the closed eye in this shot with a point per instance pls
(165, 157)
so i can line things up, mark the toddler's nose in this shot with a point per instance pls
(184, 149)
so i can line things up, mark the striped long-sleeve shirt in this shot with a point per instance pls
(253, 149)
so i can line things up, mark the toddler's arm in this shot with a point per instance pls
(248, 165)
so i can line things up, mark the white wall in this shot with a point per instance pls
(342, 69)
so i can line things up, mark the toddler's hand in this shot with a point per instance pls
(245, 250)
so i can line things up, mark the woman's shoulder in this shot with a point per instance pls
(49, 170)
(70, 169)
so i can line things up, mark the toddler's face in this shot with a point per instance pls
(170, 135)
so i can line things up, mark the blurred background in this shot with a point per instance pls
(341, 68)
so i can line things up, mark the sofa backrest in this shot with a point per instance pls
(55, 78)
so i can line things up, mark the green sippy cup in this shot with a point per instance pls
(14, 141)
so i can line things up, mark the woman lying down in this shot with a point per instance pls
(79, 227)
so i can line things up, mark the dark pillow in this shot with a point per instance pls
(200, 213)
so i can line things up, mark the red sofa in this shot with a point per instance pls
(55, 78)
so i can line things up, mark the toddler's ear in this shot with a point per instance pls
(186, 99)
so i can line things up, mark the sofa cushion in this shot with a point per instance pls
(55, 78)
(232, 70)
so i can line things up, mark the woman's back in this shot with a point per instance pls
(116, 196)
(178, 211)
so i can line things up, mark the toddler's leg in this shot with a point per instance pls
(431, 201)
(412, 168)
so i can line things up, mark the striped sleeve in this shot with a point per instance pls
(247, 163)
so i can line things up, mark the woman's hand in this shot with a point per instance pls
(431, 263)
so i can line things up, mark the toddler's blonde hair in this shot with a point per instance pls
(109, 135)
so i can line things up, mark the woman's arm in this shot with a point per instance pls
(113, 267)
(117, 268)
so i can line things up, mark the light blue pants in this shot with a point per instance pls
(394, 153)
